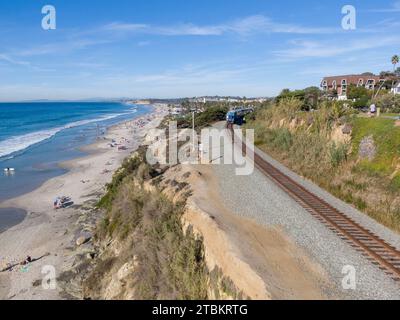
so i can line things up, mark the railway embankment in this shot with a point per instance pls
(354, 157)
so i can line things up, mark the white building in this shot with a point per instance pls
(176, 110)
(396, 89)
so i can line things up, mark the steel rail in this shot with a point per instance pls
(375, 249)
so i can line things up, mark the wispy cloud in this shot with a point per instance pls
(255, 24)
(262, 24)
(176, 30)
(313, 49)
(144, 43)
(60, 47)
(395, 7)
(116, 31)
(15, 56)
(16, 62)
(9, 59)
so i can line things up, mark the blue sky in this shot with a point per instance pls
(177, 48)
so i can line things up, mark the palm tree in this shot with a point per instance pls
(395, 61)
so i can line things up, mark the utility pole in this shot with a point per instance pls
(194, 132)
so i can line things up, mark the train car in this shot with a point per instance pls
(237, 116)
(231, 117)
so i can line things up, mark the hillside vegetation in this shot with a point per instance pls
(204, 119)
(145, 250)
(354, 157)
(151, 253)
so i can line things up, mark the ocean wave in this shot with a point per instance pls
(19, 143)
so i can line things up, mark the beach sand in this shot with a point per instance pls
(52, 233)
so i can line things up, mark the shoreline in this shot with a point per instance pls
(47, 231)
(47, 147)
(11, 217)
(87, 150)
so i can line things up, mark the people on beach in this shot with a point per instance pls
(27, 261)
(9, 266)
(61, 202)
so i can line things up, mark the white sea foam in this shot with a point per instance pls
(19, 143)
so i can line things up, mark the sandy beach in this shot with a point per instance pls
(50, 235)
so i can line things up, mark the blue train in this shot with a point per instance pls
(238, 116)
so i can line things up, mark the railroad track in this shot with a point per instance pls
(371, 246)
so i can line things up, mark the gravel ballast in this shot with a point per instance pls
(257, 197)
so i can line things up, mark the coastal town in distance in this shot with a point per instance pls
(201, 158)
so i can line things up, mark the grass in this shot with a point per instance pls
(338, 154)
(371, 186)
(305, 152)
(395, 183)
(387, 139)
(390, 114)
(133, 166)
(148, 229)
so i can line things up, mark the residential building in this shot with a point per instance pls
(396, 88)
(340, 84)
(176, 109)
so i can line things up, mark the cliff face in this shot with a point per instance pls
(144, 248)
(165, 233)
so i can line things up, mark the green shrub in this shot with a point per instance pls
(387, 140)
(395, 183)
(360, 204)
(148, 226)
(338, 154)
(308, 150)
(137, 166)
(171, 262)
(204, 119)
(388, 102)
(280, 139)
(211, 115)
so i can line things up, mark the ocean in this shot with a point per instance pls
(36, 137)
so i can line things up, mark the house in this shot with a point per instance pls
(339, 84)
(396, 88)
(176, 109)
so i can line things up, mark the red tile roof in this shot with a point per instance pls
(350, 79)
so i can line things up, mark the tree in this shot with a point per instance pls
(309, 97)
(186, 105)
(312, 96)
(386, 74)
(395, 61)
(388, 102)
(360, 95)
(354, 92)
(337, 111)
(284, 92)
